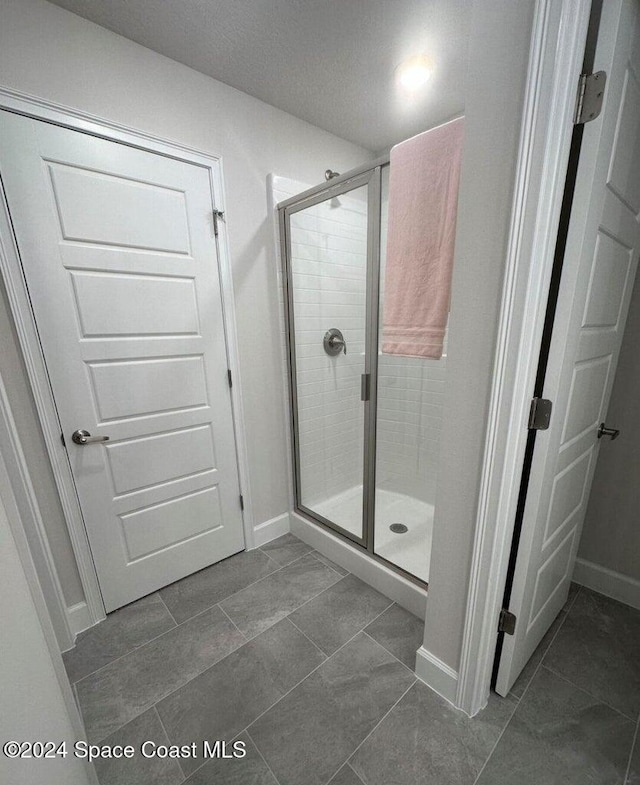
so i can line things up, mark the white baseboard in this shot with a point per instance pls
(357, 561)
(79, 619)
(611, 584)
(437, 675)
(271, 530)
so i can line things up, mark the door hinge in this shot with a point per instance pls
(507, 622)
(229, 377)
(590, 97)
(539, 414)
(241, 502)
(218, 215)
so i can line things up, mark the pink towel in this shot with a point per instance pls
(423, 198)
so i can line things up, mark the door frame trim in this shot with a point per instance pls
(30, 517)
(555, 62)
(24, 320)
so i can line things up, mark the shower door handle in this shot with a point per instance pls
(365, 386)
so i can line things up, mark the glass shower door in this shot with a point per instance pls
(328, 281)
(367, 415)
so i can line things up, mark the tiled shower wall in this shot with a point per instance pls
(329, 291)
(410, 398)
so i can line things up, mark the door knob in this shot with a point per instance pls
(83, 437)
(612, 433)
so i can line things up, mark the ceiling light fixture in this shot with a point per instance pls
(414, 73)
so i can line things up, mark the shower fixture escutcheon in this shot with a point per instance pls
(334, 342)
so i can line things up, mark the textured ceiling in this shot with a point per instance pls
(329, 62)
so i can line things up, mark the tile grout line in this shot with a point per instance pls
(177, 623)
(163, 697)
(302, 632)
(524, 692)
(276, 780)
(500, 735)
(306, 677)
(385, 648)
(246, 728)
(335, 583)
(566, 678)
(270, 542)
(264, 578)
(186, 621)
(167, 694)
(567, 608)
(355, 773)
(280, 566)
(636, 739)
(154, 708)
(213, 664)
(286, 616)
(544, 654)
(167, 609)
(377, 725)
(229, 654)
(137, 648)
(636, 735)
(306, 602)
(223, 599)
(314, 553)
(586, 692)
(246, 640)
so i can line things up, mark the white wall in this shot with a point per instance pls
(50, 53)
(500, 34)
(33, 704)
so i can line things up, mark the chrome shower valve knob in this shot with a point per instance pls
(334, 342)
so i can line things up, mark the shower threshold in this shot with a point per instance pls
(411, 551)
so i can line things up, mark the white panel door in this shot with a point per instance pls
(597, 279)
(120, 260)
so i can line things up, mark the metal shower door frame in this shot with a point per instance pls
(322, 193)
(369, 175)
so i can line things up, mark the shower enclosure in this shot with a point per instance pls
(365, 425)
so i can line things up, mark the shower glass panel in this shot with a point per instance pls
(408, 422)
(366, 424)
(327, 277)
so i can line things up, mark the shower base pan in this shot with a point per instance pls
(410, 550)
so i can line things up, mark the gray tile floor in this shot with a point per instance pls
(313, 671)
